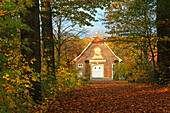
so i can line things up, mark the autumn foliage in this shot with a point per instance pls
(15, 85)
(16, 76)
(61, 90)
(114, 96)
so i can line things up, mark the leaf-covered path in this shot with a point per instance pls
(114, 96)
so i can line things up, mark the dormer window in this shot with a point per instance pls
(80, 65)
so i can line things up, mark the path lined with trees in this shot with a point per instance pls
(114, 96)
(30, 46)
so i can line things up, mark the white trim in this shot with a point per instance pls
(113, 74)
(97, 60)
(113, 52)
(113, 70)
(82, 51)
(106, 46)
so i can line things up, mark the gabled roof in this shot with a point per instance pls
(113, 52)
(83, 51)
(97, 39)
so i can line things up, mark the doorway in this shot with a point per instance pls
(97, 71)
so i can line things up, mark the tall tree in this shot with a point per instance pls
(135, 21)
(64, 30)
(47, 35)
(77, 10)
(32, 20)
(163, 45)
(70, 50)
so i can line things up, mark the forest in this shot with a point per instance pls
(40, 38)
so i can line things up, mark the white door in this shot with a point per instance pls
(97, 71)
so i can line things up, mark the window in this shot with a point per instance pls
(80, 65)
(80, 74)
(113, 65)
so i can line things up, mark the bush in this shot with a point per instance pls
(53, 87)
(14, 85)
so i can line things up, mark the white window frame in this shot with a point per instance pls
(80, 65)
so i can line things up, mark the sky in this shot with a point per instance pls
(98, 26)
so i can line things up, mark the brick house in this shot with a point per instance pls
(97, 60)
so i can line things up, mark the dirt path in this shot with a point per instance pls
(112, 96)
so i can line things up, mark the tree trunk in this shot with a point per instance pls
(47, 36)
(163, 29)
(32, 20)
(153, 58)
(59, 38)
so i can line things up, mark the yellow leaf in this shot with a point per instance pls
(27, 81)
(33, 78)
(26, 85)
(32, 60)
(7, 78)
(7, 75)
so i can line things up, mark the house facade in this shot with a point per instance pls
(97, 60)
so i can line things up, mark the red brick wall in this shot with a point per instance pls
(105, 53)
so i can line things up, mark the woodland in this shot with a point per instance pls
(40, 38)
